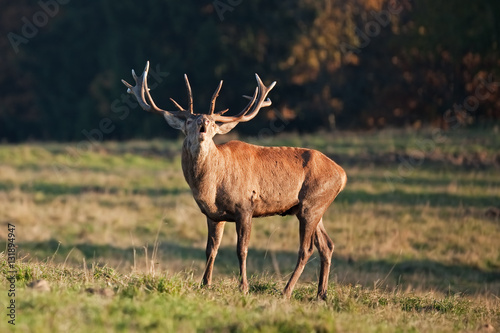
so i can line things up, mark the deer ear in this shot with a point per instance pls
(225, 128)
(175, 122)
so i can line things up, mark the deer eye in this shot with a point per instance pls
(189, 121)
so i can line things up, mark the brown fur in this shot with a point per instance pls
(236, 181)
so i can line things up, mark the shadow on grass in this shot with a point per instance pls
(392, 179)
(66, 189)
(434, 199)
(393, 197)
(423, 275)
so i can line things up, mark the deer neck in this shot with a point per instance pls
(199, 159)
(200, 164)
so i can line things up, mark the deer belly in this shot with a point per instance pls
(275, 205)
(228, 206)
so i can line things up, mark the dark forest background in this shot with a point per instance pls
(339, 64)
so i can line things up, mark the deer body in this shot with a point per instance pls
(236, 181)
(234, 177)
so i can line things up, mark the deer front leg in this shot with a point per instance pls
(215, 231)
(243, 230)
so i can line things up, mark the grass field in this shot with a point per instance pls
(119, 241)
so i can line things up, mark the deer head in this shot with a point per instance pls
(199, 128)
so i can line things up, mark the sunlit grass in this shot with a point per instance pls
(98, 298)
(407, 240)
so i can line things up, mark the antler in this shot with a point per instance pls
(190, 97)
(143, 96)
(141, 90)
(214, 97)
(190, 93)
(257, 101)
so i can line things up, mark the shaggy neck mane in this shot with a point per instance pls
(200, 156)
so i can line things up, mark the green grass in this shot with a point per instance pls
(139, 302)
(414, 248)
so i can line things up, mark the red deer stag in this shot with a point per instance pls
(236, 181)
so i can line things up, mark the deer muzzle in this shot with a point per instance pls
(202, 127)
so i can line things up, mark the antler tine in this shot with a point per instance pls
(257, 101)
(224, 119)
(267, 102)
(214, 97)
(222, 112)
(138, 89)
(143, 96)
(190, 97)
(251, 103)
(177, 104)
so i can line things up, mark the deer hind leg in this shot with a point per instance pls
(307, 233)
(243, 230)
(215, 231)
(325, 246)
